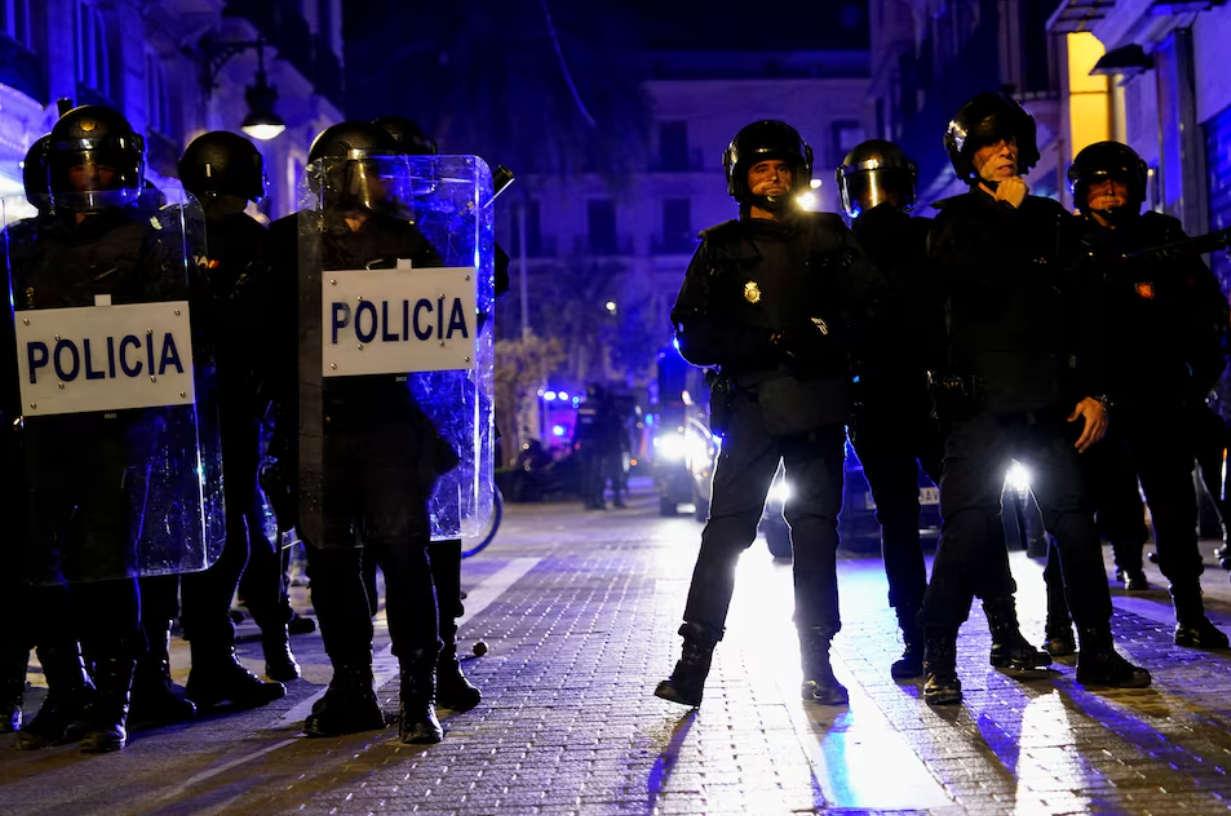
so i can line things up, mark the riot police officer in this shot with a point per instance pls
(107, 487)
(224, 172)
(1167, 325)
(895, 431)
(366, 478)
(1019, 318)
(17, 637)
(453, 690)
(770, 299)
(588, 446)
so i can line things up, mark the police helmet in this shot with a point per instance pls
(762, 141)
(222, 163)
(985, 120)
(413, 139)
(1109, 160)
(34, 175)
(352, 164)
(94, 160)
(874, 172)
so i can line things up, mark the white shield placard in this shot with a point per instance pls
(397, 321)
(104, 358)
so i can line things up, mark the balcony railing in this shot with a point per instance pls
(604, 246)
(21, 69)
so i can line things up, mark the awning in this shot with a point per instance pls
(1078, 15)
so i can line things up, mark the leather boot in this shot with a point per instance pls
(819, 685)
(1193, 629)
(106, 716)
(218, 677)
(1060, 641)
(349, 705)
(687, 682)
(1099, 664)
(453, 690)
(910, 664)
(154, 699)
(417, 723)
(280, 663)
(13, 670)
(69, 691)
(941, 685)
(1009, 648)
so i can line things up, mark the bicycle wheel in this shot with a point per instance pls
(492, 526)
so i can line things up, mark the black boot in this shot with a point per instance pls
(154, 699)
(687, 682)
(417, 723)
(1099, 664)
(819, 685)
(218, 677)
(106, 717)
(69, 691)
(1134, 579)
(910, 664)
(280, 663)
(13, 689)
(453, 690)
(941, 685)
(349, 705)
(1193, 629)
(1009, 648)
(1060, 641)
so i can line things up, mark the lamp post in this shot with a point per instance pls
(262, 122)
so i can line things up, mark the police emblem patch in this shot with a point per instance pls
(752, 294)
(1145, 290)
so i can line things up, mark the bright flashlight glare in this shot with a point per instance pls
(549, 396)
(611, 305)
(807, 201)
(780, 493)
(1018, 478)
(815, 184)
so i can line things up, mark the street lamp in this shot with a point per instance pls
(262, 122)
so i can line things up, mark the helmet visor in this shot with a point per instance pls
(88, 175)
(864, 189)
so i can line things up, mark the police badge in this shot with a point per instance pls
(751, 293)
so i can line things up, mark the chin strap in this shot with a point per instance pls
(773, 204)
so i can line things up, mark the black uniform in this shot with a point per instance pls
(1167, 323)
(83, 515)
(769, 302)
(382, 456)
(894, 431)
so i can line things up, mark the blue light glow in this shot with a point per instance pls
(550, 396)
(557, 430)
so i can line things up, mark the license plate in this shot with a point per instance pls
(929, 495)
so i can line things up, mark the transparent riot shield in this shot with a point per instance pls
(395, 374)
(106, 393)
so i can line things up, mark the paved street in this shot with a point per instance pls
(580, 612)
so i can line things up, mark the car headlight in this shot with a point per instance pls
(671, 447)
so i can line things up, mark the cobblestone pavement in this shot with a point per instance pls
(579, 611)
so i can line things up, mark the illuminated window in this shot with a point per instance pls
(15, 20)
(157, 104)
(91, 53)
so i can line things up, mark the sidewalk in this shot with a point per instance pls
(579, 611)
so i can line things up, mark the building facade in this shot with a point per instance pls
(1166, 93)
(930, 56)
(151, 60)
(633, 243)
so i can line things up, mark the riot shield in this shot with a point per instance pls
(395, 373)
(106, 388)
